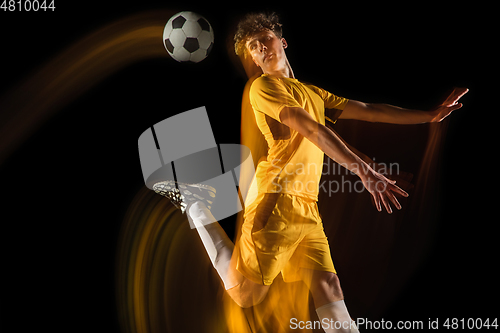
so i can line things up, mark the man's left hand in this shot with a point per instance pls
(449, 105)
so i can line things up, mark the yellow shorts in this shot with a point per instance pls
(282, 233)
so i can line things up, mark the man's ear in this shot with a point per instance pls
(285, 44)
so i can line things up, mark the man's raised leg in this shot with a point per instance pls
(219, 247)
(216, 242)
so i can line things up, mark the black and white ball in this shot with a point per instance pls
(188, 37)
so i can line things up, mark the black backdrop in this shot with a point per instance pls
(67, 185)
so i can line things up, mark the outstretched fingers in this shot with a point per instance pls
(456, 106)
(383, 197)
(387, 196)
(377, 200)
(398, 190)
(455, 95)
(394, 200)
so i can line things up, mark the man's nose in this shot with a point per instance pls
(262, 47)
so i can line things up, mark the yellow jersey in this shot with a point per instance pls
(294, 164)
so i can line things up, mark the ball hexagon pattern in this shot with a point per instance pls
(188, 37)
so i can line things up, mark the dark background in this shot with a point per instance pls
(65, 190)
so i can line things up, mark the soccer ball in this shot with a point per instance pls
(188, 37)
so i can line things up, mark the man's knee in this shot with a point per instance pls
(332, 280)
(248, 293)
(327, 282)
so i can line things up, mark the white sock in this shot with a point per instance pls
(334, 317)
(217, 244)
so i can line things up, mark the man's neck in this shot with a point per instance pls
(280, 73)
(286, 71)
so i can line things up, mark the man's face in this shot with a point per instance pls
(267, 51)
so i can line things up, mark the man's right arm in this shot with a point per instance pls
(381, 188)
(326, 140)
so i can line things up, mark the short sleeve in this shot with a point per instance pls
(334, 105)
(331, 101)
(332, 115)
(268, 95)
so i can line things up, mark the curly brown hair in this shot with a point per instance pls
(254, 23)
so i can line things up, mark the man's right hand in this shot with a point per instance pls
(382, 189)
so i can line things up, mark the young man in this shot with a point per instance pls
(282, 230)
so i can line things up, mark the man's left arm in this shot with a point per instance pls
(384, 113)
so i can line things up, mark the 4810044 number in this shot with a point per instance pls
(28, 5)
(470, 323)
